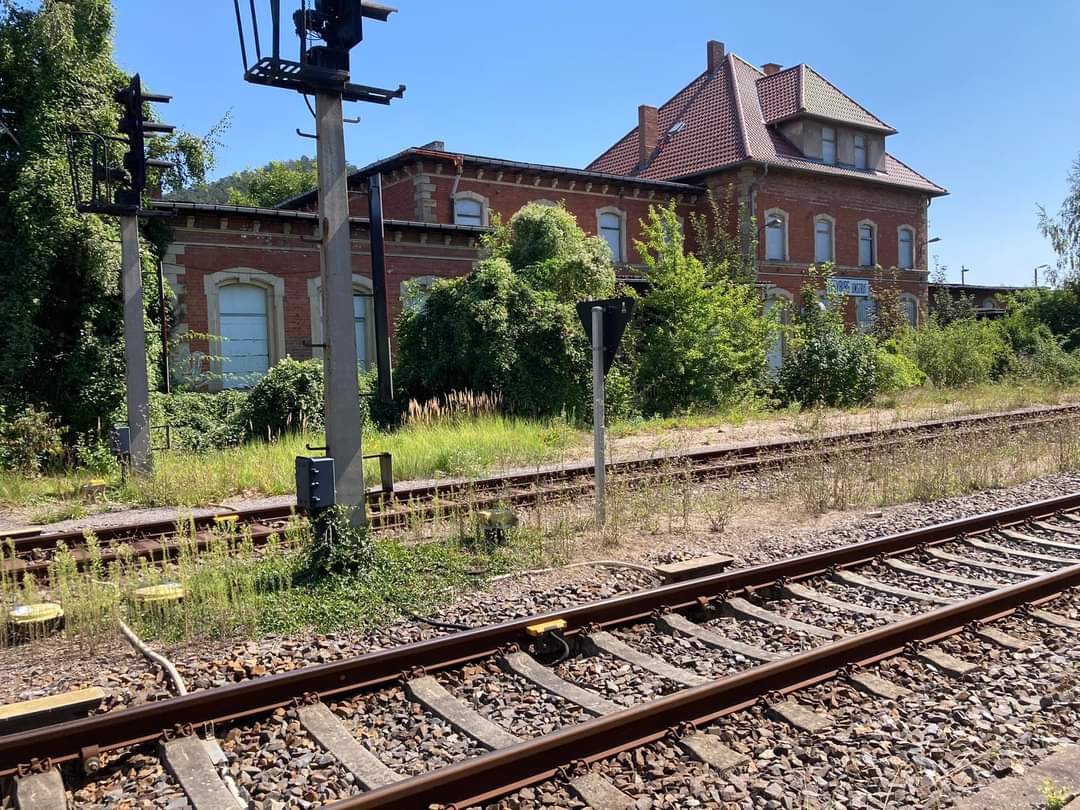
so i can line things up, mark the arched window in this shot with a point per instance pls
(245, 334)
(363, 319)
(823, 239)
(778, 301)
(865, 313)
(245, 308)
(776, 237)
(468, 211)
(867, 244)
(610, 223)
(906, 239)
(909, 304)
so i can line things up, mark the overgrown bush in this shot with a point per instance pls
(30, 441)
(289, 399)
(962, 352)
(827, 365)
(896, 372)
(699, 338)
(198, 421)
(510, 328)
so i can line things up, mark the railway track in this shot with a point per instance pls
(698, 652)
(29, 551)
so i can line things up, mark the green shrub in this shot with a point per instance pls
(827, 365)
(896, 372)
(962, 352)
(30, 441)
(699, 342)
(289, 399)
(198, 421)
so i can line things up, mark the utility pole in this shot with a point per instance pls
(138, 387)
(323, 70)
(963, 275)
(342, 403)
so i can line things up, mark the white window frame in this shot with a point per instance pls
(485, 216)
(361, 285)
(832, 237)
(783, 215)
(856, 150)
(611, 209)
(833, 141)
(873, 243)
(274, 286)
(899, 247)
(906, 298)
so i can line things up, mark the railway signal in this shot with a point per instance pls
(323, 70)
(605, 322)
(108, 183)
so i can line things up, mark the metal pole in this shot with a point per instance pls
(598, 411)
(166, 382)
(343, 441)
(378, 288)
(138, 395)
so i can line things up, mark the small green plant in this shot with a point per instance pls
(30, 441)
(338, 547)
(1054, 796)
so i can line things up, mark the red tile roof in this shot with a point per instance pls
(727, 118)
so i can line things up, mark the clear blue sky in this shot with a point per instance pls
(985, 95)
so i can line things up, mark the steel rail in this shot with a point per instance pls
(754, 457)
(259, 696)
(488, 776)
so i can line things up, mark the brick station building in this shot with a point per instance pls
(806, 162)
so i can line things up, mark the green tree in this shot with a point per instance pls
(62, 346)
(719, 245)
(1063, 229)
(700, 342)
(276, 182)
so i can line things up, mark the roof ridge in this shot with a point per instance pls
(849, 98)
(801, 84)
(778, 73)
(737, 104)
(634, 128)
(752, 67)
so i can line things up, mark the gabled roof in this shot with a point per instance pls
(728, 118)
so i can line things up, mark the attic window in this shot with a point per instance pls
(676, 127)
(828, 144)
(860, 151)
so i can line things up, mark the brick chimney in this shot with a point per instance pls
(769, 68)
(716, 55)
(648, 130)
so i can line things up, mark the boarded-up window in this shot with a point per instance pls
(245, 345)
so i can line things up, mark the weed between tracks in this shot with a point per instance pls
(237, 590)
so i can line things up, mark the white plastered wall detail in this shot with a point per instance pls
(781, 214)
(174, 271)
(275, 309)
(874, 258)
(361, 285)
(832, 236)
(618, 212)
(485, 211)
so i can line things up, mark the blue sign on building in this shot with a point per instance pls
(855, 287)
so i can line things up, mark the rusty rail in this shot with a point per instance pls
(85, 738)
